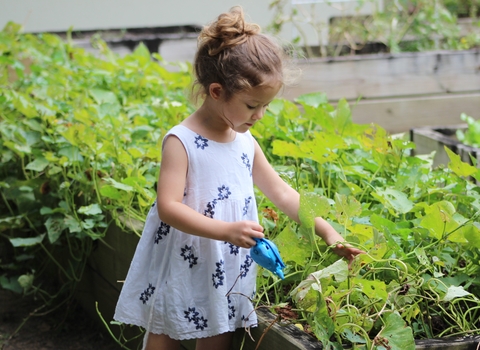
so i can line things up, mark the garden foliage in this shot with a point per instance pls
(80, 151)
(79, 148)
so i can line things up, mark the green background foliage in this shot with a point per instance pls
(80, 150)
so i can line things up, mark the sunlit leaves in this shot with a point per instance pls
(312, 205)
(339, 270)
(298, 252)
(458, 167)
(395, 201)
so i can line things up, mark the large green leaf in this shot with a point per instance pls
(26, 242)
(458, 166)
(291, 247)
(338, 269)
(38, 164)
(395, 335)
(395, 201)
(55, 227)
(312, 205)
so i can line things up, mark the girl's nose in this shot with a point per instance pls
(258, 114)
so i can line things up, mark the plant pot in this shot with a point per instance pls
(429, 139)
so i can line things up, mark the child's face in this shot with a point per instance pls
(246, 108)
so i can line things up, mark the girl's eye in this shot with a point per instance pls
(251, 107)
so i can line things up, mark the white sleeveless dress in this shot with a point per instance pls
(177, 283)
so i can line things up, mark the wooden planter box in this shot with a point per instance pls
(429, 139)
(109, 264)
(398, 91)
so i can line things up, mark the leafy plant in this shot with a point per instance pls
(79, 142)
(417, 225)
(80, 150)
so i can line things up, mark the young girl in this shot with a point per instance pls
(195, 245)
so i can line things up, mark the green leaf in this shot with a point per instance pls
(312, 205)
(372, 289)
(346, 207)
(455, 292)
(72, 153)
(287, 149)
(103, 96)
(395, 334)
(10, 284)
(314, 99)
(38, 164)
(26, 242)
(323, 325)
(55, 227)
(119, 185)
(25, 281)
(111, 192)
(395, 201)
(439, 219)
(473, 236)
(297, 252)
(92, 209)
(458, 166)
(142, 51)
(338, 269)
(72, 224)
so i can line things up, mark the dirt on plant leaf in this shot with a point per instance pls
(68, 328)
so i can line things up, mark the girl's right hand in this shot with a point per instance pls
(241, 233)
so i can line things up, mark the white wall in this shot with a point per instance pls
(60, 15)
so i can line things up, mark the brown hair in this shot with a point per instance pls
(233, 53)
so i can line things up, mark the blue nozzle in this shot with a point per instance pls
(265, 253)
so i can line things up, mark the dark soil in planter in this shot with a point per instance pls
(69, 328)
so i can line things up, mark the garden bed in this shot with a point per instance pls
(398, 91)
(429, 139)
(108, 266)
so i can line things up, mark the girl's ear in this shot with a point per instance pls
(215, 90)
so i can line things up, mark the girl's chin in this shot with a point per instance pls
(243, 128)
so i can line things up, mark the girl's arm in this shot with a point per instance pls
(287, 200)
(171, 210)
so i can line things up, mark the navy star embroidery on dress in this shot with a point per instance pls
(231, 309)
(219, 275)
(244, 268)
(201, 142)
(162, 232)
(188, 255)
(223, 192)
(247, 202)
(201, 323)
(147, 293)
(246, 161)
(233, 248)
(210, 211)
(193, 316)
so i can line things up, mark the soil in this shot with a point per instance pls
(66, 329)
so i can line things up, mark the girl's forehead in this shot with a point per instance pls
(266, 91)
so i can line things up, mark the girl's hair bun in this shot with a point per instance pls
(228, 31)
(234, 54)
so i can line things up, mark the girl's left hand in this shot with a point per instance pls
(347, 251)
